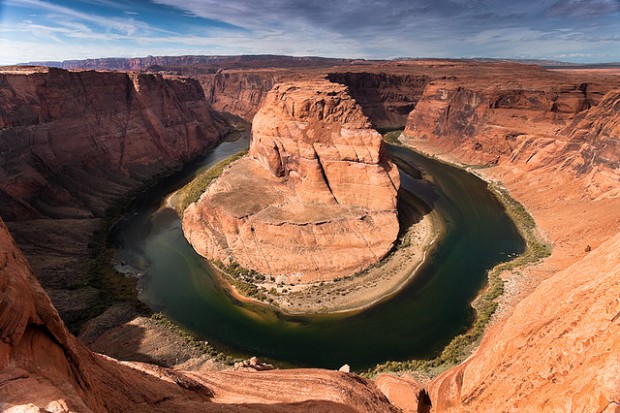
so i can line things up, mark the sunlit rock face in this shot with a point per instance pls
(314, 200)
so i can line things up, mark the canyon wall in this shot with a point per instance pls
(44, 368)
(552, 141)
(550, 138)
(385, 98)
(72, 144)
(314, 200)
(240, 92)
(556, 352)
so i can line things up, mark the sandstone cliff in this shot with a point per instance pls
(44, 368)
(554, 147)
(554, 358)
(386, 98)
(73, 143)
(315, 199)
(240, 92)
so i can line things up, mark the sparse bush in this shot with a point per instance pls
(191, 192)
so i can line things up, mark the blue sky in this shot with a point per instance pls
(568, 30)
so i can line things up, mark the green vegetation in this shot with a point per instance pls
(244, 280)
(462, 345)
(202, 347)
(391, 136)
(191, 192)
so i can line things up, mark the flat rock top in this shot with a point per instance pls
(247, 190)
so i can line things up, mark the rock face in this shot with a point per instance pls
(555, 358)
(73, 143)
(44, 368)
(488, 114)
(387, 99)
(553, 144)
(316, 197)
(404, 393)
(66, 137)
(240, 92)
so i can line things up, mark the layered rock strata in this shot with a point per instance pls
(555, 148)
(72, 144)
(314, 200)
(44, 368)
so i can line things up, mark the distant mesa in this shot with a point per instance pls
(316, 197)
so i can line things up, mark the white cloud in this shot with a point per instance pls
(123, 25)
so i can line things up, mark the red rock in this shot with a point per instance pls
(43, 367)
(404, 393)
(558, 357)
(315, 199)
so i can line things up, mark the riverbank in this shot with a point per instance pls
(490, 304)
(342, 295)
(347, 294)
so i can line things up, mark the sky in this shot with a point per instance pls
(566, 30)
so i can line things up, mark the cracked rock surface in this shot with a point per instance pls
(315, 199)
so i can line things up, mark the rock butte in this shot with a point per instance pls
(550, 137)
(315, 199)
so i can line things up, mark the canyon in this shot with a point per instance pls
(314, 200)
(549, 137)
(73, 145)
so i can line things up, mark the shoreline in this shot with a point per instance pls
(488, 302)
(364, 287)
(344, 295)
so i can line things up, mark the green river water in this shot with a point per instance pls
(416, 323)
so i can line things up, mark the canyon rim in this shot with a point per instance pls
(549, 137)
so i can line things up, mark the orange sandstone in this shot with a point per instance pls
(314, 200)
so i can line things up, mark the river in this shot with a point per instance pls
(417, 323)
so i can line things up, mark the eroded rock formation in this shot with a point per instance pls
(556, 358)
(44, 368)
(72, 144)
(315, 198)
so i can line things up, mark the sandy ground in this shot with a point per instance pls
(358, 292)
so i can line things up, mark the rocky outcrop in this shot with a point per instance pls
(387, 99)
(316, 197)
(555, 358)
(405, 393)
(73, 143)
(44, 368)
(595, 140)
(240, 92)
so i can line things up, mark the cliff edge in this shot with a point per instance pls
(44, 368)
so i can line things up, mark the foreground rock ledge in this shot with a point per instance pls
(315, 199)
